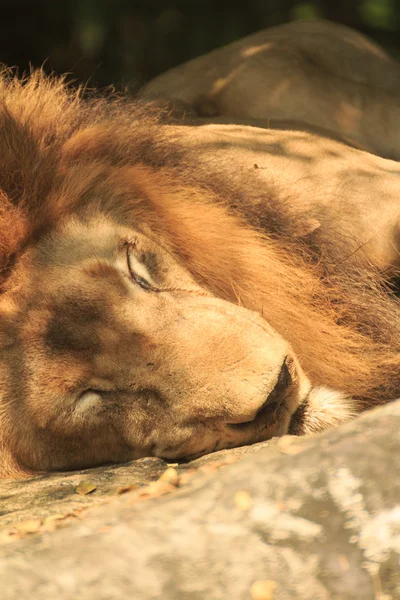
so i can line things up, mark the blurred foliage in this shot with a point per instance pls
(129, 41)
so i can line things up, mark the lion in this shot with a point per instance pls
(317, 75)
(168, 290)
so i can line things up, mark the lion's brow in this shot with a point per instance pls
(100, 269)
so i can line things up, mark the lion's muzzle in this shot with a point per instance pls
(275, 398)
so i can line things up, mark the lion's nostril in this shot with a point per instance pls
(277, 395)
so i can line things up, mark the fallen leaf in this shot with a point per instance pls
(56, 517)
(170, 476)
(156, 488)
(50, 522)
(127, 488)
(84, 488)
(29, 526)
(77, 512)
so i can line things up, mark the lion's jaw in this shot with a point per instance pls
(129, 356)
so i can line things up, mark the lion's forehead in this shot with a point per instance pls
(77, 240)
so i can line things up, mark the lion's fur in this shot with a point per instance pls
(314, 73)
(61, 155)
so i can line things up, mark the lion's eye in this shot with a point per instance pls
(137, 269)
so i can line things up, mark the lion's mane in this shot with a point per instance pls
(60, 153)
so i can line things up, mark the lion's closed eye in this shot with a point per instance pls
(138, 269)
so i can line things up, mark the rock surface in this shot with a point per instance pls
(313, 518)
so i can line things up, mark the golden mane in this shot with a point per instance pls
(341, 321)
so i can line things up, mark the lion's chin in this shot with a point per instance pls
(264, 426)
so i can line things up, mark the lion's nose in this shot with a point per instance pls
(276, 397)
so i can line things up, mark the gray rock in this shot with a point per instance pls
(318, 518)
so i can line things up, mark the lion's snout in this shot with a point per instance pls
(238, 379)
(277, 396)
(274, 400)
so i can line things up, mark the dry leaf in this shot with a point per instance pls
(156, 488)
(56, 517)
(127, 488)
(243, 500)
(50, 522)
(85, 487)
(263, 590)
(170, 476)
(77, 512)
(29, 526)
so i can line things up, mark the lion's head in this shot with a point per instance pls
(112, 351)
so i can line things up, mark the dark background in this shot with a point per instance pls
(126, 42)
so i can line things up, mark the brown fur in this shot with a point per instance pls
(67, 163)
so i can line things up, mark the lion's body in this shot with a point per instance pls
(136, 259)
(312, 72)
(331, 191)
